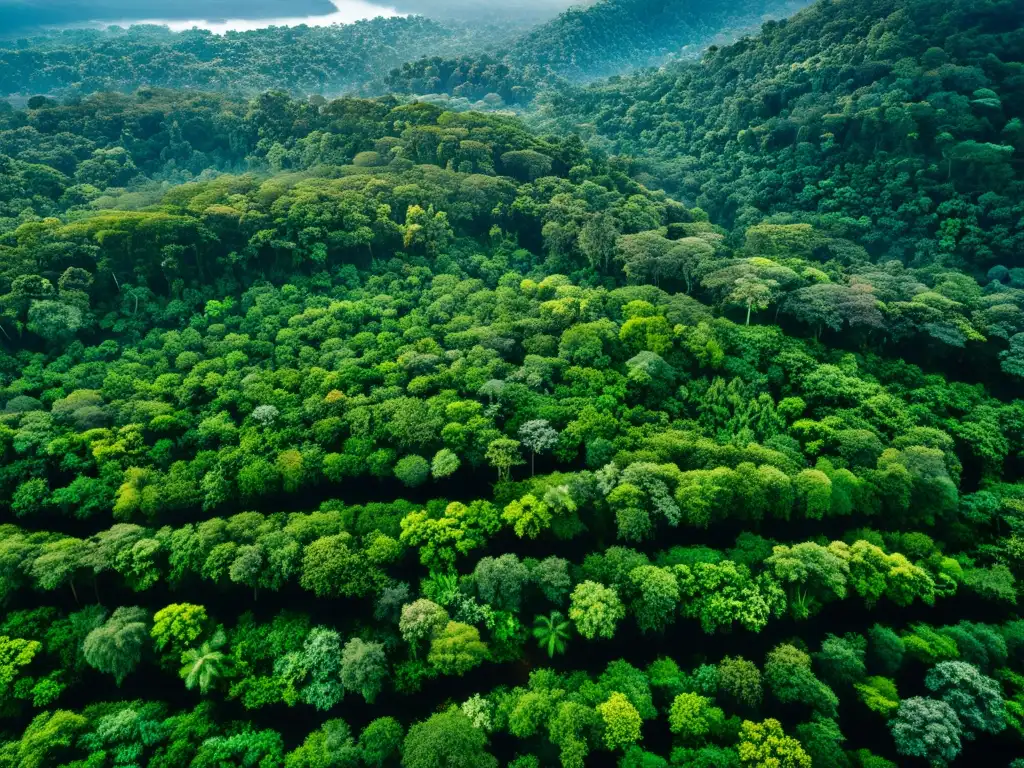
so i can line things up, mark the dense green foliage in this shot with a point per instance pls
(363, 433)
(605, 38)
(480, 81)
(583, 43)
(323, 60)
(612, 36)
(896, 123)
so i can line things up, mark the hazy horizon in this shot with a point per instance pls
(343, 12)
(18, 17)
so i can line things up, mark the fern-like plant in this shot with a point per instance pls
(206, 665)
(552, 632)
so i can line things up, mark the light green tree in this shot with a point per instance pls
(116, 647)
(622, 722)
(765, 745)
(595, 609)
(457, 649)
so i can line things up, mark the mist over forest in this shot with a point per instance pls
(20, 16)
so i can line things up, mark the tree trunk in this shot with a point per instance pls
(74, 591)
(748, 315)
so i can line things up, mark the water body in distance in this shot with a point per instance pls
(219, 16)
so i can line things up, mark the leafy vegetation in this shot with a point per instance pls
(896, 123)
(604, 38)
(365, 433)
(609, 37)
(302, 60)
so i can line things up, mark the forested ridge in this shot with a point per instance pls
(414, 55)
(665, 428)
(303, 60)
(895, 122)
(605, 38)
(612, 36)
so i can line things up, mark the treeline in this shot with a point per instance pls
(301, 60)
(328, 554)
(100, 151)
(467, 60)
(611, 37)
(474, 81)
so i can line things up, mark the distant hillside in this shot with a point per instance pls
(302, 60)
(606, 38)
(614, 36)
(897, 123)
(481, 58)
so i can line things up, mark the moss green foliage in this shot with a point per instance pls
(177, 627)
(879, 694)
(371, 433)
(457, 649)
(692, 717)
(446, 739)
(596, 610)
(621, 721)
(116, 646)
(763, 744)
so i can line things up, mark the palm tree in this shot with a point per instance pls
(552, 632)
(205, 665)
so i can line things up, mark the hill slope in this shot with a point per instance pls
(301, 60)
(894, 122)
(610, 37)
(614, 36)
